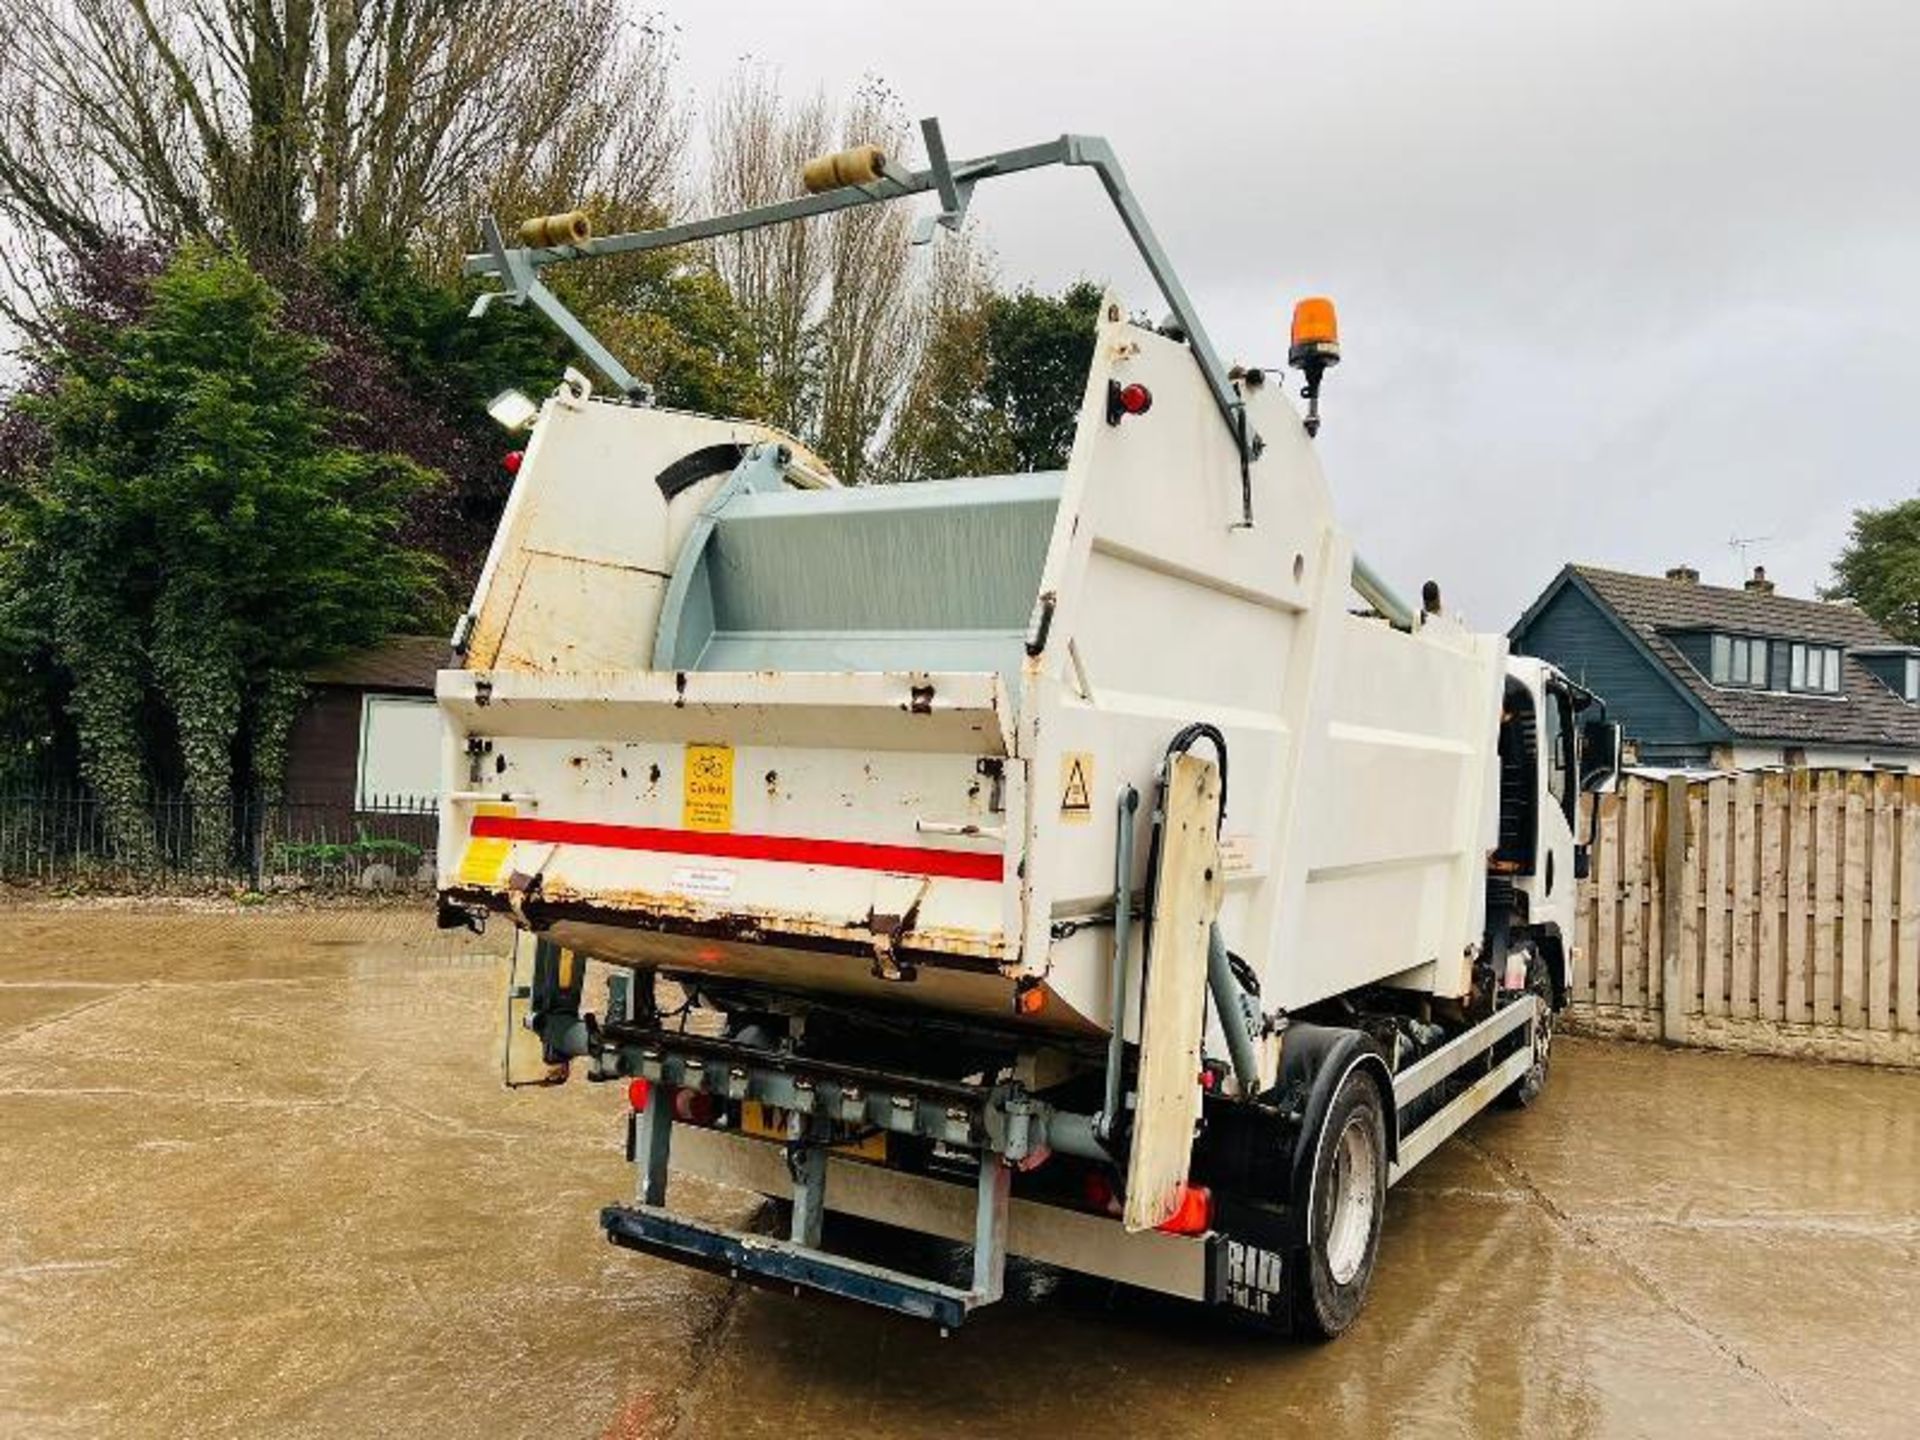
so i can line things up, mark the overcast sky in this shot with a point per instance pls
(1618, 282)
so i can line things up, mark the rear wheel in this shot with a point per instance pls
(1331, 1275)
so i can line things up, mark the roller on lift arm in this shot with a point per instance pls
(919, 794)
(864, 175)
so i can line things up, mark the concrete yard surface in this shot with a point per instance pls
(260, 1178)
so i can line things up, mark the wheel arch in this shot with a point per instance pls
(1553, 949)
(1326, 1056)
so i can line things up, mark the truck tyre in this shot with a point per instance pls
(1331, 1276)
(1524, 1091)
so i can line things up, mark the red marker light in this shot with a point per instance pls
(1192, 1212)
(1125, 400)
(511, 461)
(638, 1092)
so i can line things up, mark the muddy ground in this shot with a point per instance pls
(257, 1177)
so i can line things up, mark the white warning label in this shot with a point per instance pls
(702, 882)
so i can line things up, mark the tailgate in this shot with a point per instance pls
(840, 807)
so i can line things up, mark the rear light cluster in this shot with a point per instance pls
(695, 1107)
(692, 1107)
(1097, 1191)
(1192, 1211)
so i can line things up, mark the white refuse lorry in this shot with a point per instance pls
(1100, 866)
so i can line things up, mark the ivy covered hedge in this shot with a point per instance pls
(192, 537)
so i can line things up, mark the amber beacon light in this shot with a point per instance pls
(1314, 350)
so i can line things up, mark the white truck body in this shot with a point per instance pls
(1363, 773)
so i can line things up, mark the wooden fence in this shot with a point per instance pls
(1783, 916)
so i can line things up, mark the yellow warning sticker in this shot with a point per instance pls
(484, 861)
(1076, 786)
(707, 789)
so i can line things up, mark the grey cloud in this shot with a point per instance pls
(1618, 281)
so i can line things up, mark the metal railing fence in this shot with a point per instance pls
(67, 835)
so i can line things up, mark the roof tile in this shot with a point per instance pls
(404, 662)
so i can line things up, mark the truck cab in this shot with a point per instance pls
(1556, 746)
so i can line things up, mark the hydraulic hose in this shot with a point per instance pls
(1230, 999)
(1129, 803)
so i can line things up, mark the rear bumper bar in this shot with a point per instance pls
(760, 1258)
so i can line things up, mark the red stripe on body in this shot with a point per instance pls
(790, 849)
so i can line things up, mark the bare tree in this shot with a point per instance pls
(943, 424)
(757, 145)
(837, 303)
(873, 321)
(286, 126)
(283, 125)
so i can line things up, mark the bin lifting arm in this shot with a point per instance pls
(519, 269)
(954, 184)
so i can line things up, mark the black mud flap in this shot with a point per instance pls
(1250, 1269)
(767, 1261)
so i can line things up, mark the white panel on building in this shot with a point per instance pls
(399, 753)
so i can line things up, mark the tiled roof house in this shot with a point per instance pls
(1734, 678)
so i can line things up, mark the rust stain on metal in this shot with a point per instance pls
(885, 931)
(681, 914)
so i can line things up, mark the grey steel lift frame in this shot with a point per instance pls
(519, 272)
(1000, 1123)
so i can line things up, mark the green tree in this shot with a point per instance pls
(673, 322)
(196, 540)
(1038, 351)
(945, 425)
(999, 380)
(1879, 570)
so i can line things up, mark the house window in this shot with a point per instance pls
(1911, 690)
(1739, 661)
(399, 753)
(1816, 669)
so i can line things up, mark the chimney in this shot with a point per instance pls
(1760, 584)
(1686, 574)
